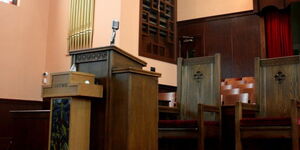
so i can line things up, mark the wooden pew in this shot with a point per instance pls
(235, 89)
(167, 99)
(277, 85)
(196, 95)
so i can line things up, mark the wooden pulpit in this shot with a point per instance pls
(127, 112)
(102, 61)
(71, 94)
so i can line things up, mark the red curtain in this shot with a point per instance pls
(278, 34)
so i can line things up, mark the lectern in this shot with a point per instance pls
(71, 94)
(126, 117)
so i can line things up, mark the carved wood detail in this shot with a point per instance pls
(89, 57)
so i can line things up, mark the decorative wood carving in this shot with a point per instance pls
(259, 5)
(89, 57)
(198, 76)
(279, 77)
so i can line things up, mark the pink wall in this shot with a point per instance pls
(23, 42)
(105, 12)
(191, 9)
(57, 58)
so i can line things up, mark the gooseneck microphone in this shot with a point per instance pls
(115, 27)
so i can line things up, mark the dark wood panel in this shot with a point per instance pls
(238, 37)
(245, 44)
(195, 31)
(218, 40)
(30, 130)
(6, 118)
(166, 88)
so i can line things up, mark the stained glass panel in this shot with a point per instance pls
(60, 124)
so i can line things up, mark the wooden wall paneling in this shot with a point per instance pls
(234, 36)
(5, 116)
(193, 30)
(30, 130)
(263, 50)
(218, 40)
(245, 44)
(291, 1)
(295, 22)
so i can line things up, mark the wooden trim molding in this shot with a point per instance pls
(196, 60)
(218, 17)
(280, 61)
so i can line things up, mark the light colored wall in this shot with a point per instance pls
(105, 12)
(192, 9)
(57, 58)
(23, 41)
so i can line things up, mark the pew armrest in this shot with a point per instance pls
(218, 116)
(209, 108)
(240, 107)
(296, 103)
(249, 107)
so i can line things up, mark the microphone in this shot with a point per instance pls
(115, 27)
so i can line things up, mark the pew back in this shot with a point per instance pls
(199, 81)
(277, 82)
